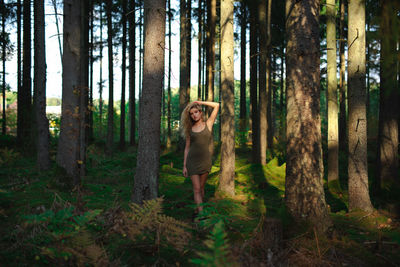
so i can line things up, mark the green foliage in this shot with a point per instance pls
(8, 156)
(217, 248)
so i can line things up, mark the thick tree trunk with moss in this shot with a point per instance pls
(389, 98)
(148, 157)
(304, 192)
(333, 130)
(357, 165)
(227, 178)
(74, 82)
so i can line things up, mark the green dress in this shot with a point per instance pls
(199, 157)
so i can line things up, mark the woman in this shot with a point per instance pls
(197, 157)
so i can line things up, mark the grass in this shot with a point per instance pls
(94, 231)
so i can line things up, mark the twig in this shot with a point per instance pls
(316, 238)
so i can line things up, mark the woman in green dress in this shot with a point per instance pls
(197, 156)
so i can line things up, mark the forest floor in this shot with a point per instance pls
(44, 221)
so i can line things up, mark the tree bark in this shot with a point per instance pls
(42, 130)
(227, 178)
(110, 113)
(183, 71)
(123, 78)
(210, 49)
(69, 145)
(24, 118)
(358, 165)
(389, 98)
(342, 82)
(169, 133)
(262, 80)
(132, 72)
(200, 39)
(243, 109)
(255, 130)
(270, 130)
(304, 193)
(146, 177)
(333, 133)
(3, 30)
(101, 75)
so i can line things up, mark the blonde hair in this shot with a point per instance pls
(186, 119)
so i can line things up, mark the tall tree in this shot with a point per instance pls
(123, 79)
(210, 48)
(19, 46)
(200, 39)
(262, 80)
(132, 72)
(146, 177)
(333, 131)
(188, 29)
(39, 85)
(304, 192)
(110, 113)
(183, 70)
(91, 61)
(270, 130)
(101, 74)
(25, 95)
(227, 180)
(357, 165)
(342, 80)
(169, 132)
(253, 82)
(243, 43)
(389, 97)
(54, 3)
(74, 81)
(3, 54)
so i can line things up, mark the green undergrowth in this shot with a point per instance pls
(46, 221)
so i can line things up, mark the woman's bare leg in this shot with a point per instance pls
(203, 179)
(198, 199)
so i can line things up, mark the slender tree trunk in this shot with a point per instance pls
(304, 192)
(169, 133)
(200, 36)
(24, 122)
(183, 72)
(263, 94)
(42, 134)
(358, 165)
(188, 28)
(54, 2)
(253, 83)
(227, 178)
(146, 177)
(270, 132)
(210, 53)
(333, 133)
(70, 146)
(101, 75)
(19, 46)
(91, 58)
(3, 27)
(110, 113)
(132, 71)
(389, 99)
(342, 82)
(243, 109)
(123, 78)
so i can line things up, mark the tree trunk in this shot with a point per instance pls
(54, 2)
(24, 123)
(210, 53)
(188, 28)
(110, 113)
(69, 145)
(42, 134)
(227, 178)
(146, 177)
(304, 192)
(262, 79)
(358, 165)
(200, 36)
(243, 41)
(123, 78)
(183, 71)
(333, 133)
(268, 70)
(3, 27)
(19, 47)
(91, 58)
(342, 82)
(101, 75)
(132, 72)
(253, 83)
(169, 134)
(389, 99)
